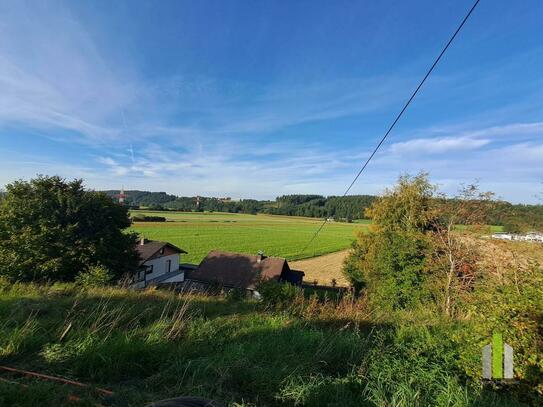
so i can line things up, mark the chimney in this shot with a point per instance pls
(260, 256)
(142, 241)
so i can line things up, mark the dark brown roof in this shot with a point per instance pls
(237, 270)
(152, 247)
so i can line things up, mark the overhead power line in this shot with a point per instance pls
(399, 115)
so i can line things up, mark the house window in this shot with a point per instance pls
(149, 269)
(162, 251)
(168, 266)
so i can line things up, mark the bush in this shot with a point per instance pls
(235, 295)
(5, 284)
(143, 218)
(276, 293)
(391, 265)
(94, 276)
(50, 229)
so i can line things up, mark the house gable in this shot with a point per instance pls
(154, 249)
(167, 250)
(159, 262)
(238, 270)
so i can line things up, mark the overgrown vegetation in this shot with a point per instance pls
(94, 276)
(306, 352)
(415, 264)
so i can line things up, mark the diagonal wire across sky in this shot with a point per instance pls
(399, 115)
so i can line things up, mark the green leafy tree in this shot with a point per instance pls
(407, 207)
(94, 276)
(51, 229)
(390, 261)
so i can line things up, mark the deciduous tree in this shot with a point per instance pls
(51, 229)
(390, 261)
(454, 258)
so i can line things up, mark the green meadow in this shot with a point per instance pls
(284, 236)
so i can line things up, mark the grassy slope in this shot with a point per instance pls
(153, 345)
(147, 346)
(284, 236)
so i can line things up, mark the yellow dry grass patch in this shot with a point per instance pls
(323, 268)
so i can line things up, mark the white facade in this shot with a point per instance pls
(161, 270)
(502, 235)
(177, 278)
(528, 237)
(161, 265)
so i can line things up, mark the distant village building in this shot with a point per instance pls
(502, 236)
(528, 237)
(242, 271)
(159, 263)
(534, 237)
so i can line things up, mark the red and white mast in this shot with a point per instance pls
(121, 196)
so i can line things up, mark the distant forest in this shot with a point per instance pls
(514, 218)
(340, 208)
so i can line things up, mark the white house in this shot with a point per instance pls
(159, 263)
(502, 235)
(528, 237)
(534, 237)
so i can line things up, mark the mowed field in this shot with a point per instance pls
(323, 269)
(284, 236)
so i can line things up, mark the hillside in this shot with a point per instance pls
(513, 217)
(344, 208)
(143, 198)
(146, 346)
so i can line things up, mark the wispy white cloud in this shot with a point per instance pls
(193, 134)
(58, 80)
(513, 130)
(455, 138)
(245, 169)
(437, 145)
(248, 169)
(53, 77)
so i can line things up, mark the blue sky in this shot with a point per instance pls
(257, 99)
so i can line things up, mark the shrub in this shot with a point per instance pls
(276, 293)
(144, 218)
(235, 295)
(391, 265)
(5, 284)
(94, 276)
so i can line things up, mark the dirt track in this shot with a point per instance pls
(323, 268)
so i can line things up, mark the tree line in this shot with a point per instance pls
(513, 217)
(339, 208)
